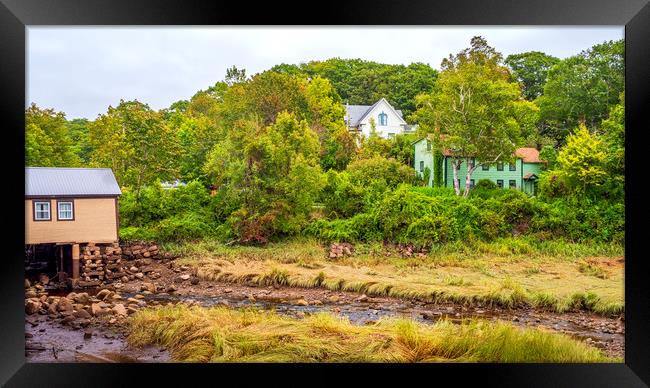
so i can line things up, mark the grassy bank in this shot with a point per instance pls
(221, 334)
(509, 272)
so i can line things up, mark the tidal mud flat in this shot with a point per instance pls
(62, 335)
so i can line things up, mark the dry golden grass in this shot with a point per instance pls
(510, 272)
(221, 334)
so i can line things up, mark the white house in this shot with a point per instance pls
(388, 121)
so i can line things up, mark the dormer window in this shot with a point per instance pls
(383, 119)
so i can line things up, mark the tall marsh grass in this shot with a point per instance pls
(220, 334)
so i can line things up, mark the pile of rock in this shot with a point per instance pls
(82, 309)
(142, 250)
(409, 250)
(340, 250)
(99, 263)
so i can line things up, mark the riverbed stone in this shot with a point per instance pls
(333, 299)
(185, 277)
(148, 287)
(82, 298)
(30, 293)
(102, 294)
(120, 310)
(82, 314)
(302, 302)
(139, 275)
(27, 284)
(65, 304)
(32, 306)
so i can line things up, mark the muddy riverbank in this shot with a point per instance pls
(174, 284)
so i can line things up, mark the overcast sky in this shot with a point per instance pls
(83, 70)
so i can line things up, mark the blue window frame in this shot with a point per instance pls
(383, 119)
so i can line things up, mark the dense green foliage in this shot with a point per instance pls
(531, 70)
(269, 156)
(582, 88)
(428, 215)
(360, 82)
(477, 109)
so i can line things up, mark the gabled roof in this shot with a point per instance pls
(357, 113)
(530, 176)
(529, 155)
(55, 181)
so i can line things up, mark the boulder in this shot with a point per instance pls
(30, 294)
(82, 298)
(27, 284)
(32, 306)
(53, 307)
(120, 310)
(103, 293)
(65, 304)
(185, 276)
(82, 314)
(148, 287)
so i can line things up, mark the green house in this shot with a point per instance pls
(522, 174)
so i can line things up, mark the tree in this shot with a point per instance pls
(582, 89)
(78, 133)
(475, 111)
(531, 70)
(235, 75)
(364, 82)
(326, 117)
(271, 175)
(47, 141)
(136, 143)
(582, 161)
(613, 129)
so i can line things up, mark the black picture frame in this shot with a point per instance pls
(15, 15)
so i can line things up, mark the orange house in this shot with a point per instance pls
(65, 207)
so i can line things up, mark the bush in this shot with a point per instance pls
(186, 226)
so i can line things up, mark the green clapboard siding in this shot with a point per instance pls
(422, 155)
(521, 169)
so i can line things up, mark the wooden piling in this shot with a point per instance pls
(75, 261)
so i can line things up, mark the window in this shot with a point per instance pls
(428, 145)
(512, 166)
(471, 183)
(383, 119)
(513, 184)
(500, 183)
(42, 211)
(421, 166)
(486, 167)
(500, 166)
(472, 162)
(65, 211)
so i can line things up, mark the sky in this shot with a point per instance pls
(82, 70)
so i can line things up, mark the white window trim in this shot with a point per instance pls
(58, 209)
(36, 211)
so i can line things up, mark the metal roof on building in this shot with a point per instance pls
(356, 113)
(59, 181)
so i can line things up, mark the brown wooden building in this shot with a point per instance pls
(66, 207)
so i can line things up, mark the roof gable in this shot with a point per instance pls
(372, 108)
(356, 113)
(54, 181)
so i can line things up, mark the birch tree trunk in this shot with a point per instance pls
(470, 170)
(455, 167)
